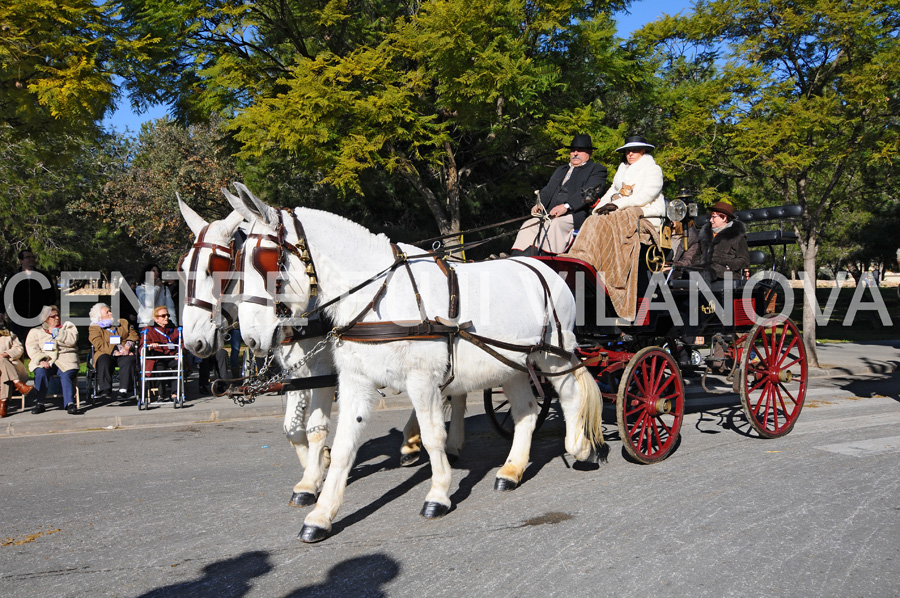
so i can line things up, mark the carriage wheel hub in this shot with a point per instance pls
(785, 376)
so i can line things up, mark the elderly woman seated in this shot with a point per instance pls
(12, 372)
(52, 349)
(115, 344)
(723, 245)
(161, 342)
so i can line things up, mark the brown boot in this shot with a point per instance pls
(2, 408)
(22, 387)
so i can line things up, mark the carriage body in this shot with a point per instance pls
(640, 365)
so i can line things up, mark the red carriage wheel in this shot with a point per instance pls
(496, 407)
(650, 405)
(773, 377)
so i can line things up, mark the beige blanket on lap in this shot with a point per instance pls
(612, 245)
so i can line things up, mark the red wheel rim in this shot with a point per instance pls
(774, 377)
(651, 405)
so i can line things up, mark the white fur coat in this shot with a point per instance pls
(647, 178)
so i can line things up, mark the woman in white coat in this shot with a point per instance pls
(638, 182)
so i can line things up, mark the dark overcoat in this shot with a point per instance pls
(584, 177)
(726, 251)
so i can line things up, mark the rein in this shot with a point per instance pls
(426, 328)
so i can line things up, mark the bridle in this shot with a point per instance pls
(269, 260)
(222, 262)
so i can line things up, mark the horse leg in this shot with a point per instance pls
(313, 432)
(457, 432)
(411, 449)
(357, 398)
(427, 400)
(524, 410)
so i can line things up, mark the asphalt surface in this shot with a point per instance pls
(201, 510)
(836, 360)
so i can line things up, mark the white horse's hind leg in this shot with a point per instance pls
(314, 431)
(411, 449)
(524, 410)
(457, 433)
(357, 398)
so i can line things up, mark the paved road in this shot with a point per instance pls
(201, 510)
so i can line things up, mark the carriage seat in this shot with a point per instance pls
(737, 284)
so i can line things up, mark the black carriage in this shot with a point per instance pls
(639, 364)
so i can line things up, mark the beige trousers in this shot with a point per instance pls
(553, 236)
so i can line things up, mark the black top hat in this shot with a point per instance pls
(635, 141)
(581, 142)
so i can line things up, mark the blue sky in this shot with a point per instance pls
(642, 11)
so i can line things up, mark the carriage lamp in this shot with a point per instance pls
(676, 210)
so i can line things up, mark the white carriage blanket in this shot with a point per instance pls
(612, 245)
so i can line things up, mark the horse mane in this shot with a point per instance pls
(356, 239)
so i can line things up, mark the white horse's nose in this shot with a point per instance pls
(251, 342)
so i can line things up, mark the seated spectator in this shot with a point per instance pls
(115, 344)
(153, 292)
(12, 372)
(220, 362)
(723, 245)
(52, 349)
(156, 338)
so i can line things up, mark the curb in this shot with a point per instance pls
(129, 418)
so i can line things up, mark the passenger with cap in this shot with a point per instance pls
(723, 244)
(563, 201)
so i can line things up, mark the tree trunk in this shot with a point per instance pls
(809, 248)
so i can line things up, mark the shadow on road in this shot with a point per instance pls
(230, 577)
(362, 576)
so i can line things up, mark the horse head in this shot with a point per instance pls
(276, 284)
(206, 270)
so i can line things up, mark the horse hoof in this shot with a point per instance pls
(504, 485)
(452, 459)
(433, 510)
(310, 534)
(302, 499)
(410, 459)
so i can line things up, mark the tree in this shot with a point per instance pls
(449, 98)
(787, 101)
(141, 200)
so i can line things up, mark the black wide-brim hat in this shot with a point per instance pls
(636, 142)
(581, 142)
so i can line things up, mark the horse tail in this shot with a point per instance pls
(590, 415)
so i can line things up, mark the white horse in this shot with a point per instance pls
(504, 300)
(307, 412)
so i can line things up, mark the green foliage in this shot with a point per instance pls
(141, 202)
(444, 102)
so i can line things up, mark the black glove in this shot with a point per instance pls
(606, 209)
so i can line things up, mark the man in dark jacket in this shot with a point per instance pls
(31, 289)
(563, 199)
(723, 244)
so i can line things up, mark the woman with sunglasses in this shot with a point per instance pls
(52, 350)
(158, 337)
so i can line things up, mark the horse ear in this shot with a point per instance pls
(194, 221)
(268, 214)
(232, 222)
